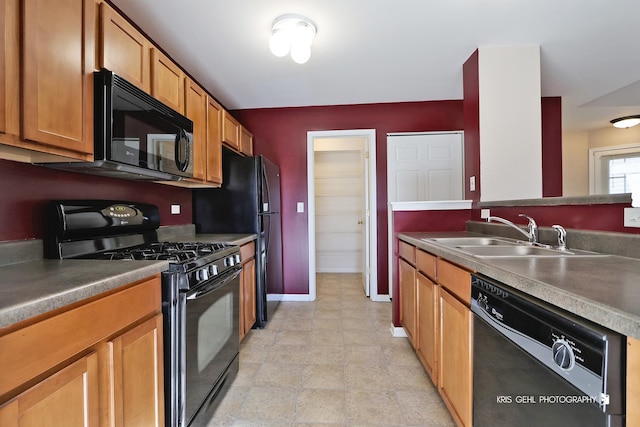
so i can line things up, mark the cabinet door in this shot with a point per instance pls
(214, 141)
(125, 51)
(167, 81)
(9, 67)
(67, 398)
(455, 375)
(136, 358)
(230, 130)
(407, 281)
(427, 321)
(246, 141)
(633, 381)
(58, 53)
(196, 110)
(249, 294)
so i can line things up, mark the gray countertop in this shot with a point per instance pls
(605, 290)
(31, 288)
(30, 285)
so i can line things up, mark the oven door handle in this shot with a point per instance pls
(214, 286)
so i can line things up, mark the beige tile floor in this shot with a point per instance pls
(332, 362)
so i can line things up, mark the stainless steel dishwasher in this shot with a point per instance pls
(536, 365)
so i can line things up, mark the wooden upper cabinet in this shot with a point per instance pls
(230, 130)
(214, 141)
(196, 110)
(167, 81)
(124, 50)
(246, 141)
(9, 67)
(58, 63)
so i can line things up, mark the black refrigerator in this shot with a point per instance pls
(248, 202)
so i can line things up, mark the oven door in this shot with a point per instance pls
(211, 342)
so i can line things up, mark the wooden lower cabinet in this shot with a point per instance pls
(247, 289)
(136, 358)
(407, 282)
(633, 382)
(97, 363)
(427, 325)
(67, 398)
(456, 357)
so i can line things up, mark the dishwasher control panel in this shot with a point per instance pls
(572, 347)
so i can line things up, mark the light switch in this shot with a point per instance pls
(472, 183)
(300, 207)
(632, 217)
(175, 209)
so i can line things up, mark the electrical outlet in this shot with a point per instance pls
(175, 209)
(485, 213)
(632, 217)
(472, 183)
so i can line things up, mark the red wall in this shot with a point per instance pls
(605, 217)
(26, 189)
(281, 135)
(552, 146)
(471, 103)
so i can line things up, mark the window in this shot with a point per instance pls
(615, 170)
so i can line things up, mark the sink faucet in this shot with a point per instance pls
(562, 236)
(532, 228)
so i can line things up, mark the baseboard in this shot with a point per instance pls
(289, 297)
(381, 298)
(398, 331)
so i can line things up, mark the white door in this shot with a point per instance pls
(424, 166)
(366, 148)
(340, 202)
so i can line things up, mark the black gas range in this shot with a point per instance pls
(200, 292)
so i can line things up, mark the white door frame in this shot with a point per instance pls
(370, 146)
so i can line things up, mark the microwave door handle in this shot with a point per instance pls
(182, 145)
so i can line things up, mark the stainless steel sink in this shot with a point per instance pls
(472, 241)
(499, 247)
(524, 250)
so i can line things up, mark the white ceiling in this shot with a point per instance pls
(371, 51)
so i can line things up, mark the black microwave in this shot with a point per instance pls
(135, 135)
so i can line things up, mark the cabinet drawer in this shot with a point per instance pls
(426, 263)
(407, 251)
(455, 279)
(247, 251)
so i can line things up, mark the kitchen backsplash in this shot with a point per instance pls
(26, 189)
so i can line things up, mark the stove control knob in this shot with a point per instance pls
(563, 354)
(237, 258)
(213, 270)
(229, 262)
(202, 274)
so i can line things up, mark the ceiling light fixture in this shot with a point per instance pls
(292, 33)
(626, 122)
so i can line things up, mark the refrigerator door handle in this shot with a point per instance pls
(265, 188)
